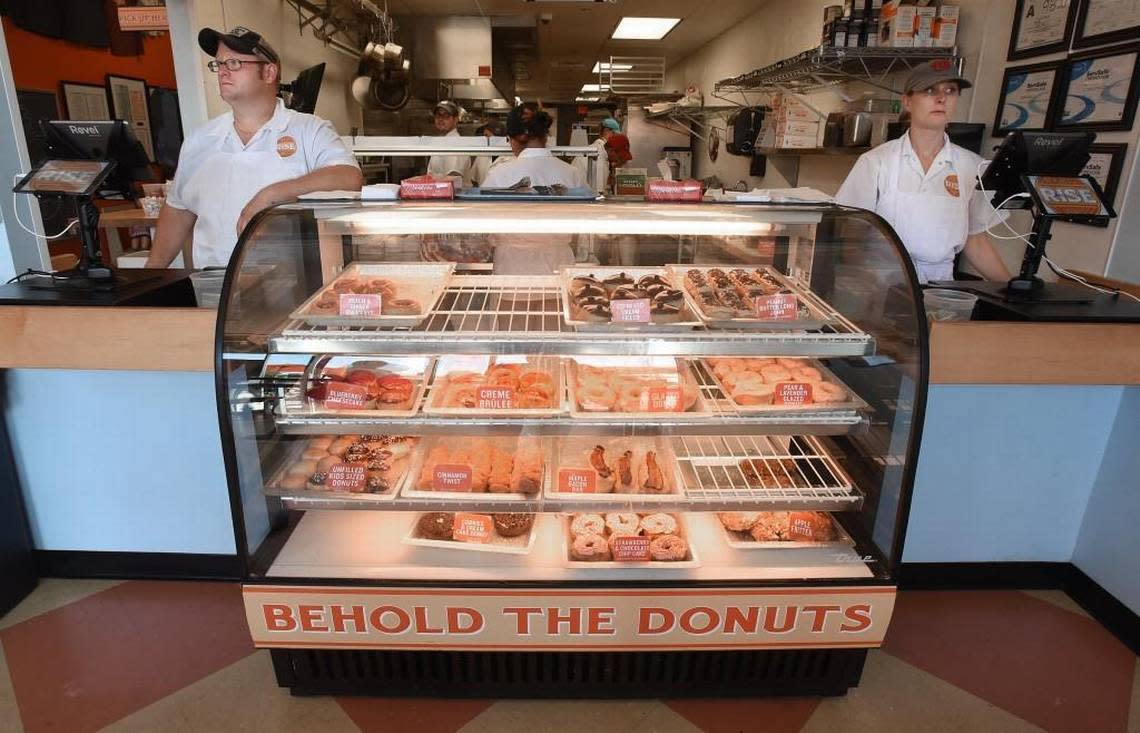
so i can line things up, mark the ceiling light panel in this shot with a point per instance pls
(644, 29)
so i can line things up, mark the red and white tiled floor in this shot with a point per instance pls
(172, 656)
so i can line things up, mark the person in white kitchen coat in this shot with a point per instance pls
(255, 156)
(445, 117)
(924, 185)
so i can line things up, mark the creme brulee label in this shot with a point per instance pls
(346, 477)
(577, 481)
(776, 307)
(345, 396)
(661, 399)
(792, 393)
(451, 477)
(630, 548)
(629, 311)
(359, 304)
(495, 398)
(473, 528)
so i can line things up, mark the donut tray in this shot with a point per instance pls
(274, 488)
(852, 404)
(700, 410)
(409, 490)
(439, 386)
(520, 545)
(692, 561)
(687, 320)
(820, 315)
(571, 453)
(744, 541)
(294, 403)
(426, 282)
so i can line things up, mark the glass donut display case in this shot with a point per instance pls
(570, 449)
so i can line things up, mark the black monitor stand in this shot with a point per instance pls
(1026, 286)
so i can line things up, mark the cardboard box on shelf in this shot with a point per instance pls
(797, 127)
(897, 31)
(924, 26)
(946, 27)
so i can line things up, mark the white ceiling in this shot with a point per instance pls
(578, 33)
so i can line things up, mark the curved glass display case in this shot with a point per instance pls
(582, 440)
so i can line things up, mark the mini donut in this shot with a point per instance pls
(327, 304)
(828, 392)
(757, 363)
(790, 362)
(754, 394)
(807, 374)
(658, 524)
(401, 307)
(322, 442)
(738, 521)
(668, 548)
(325, 464)
(587, 524)
(314, 454)
(596, 398)
(294, 481)
(590, 548)
(305, 467)
(512, 525)
(774, 374)
(623, 524)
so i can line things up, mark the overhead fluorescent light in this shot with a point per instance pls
(587, 99)
(644, 29)
(595, 88)
(600, 66)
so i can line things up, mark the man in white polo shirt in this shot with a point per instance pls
(255, 156)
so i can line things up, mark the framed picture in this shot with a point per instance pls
(84, 101)
(1098, 90)
(1106, 21)
(128, 99)
(1041, 27)
(1028, 98)
(1106, 160)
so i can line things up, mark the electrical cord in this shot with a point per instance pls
(16, 210)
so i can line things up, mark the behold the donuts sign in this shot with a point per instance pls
(469, 618)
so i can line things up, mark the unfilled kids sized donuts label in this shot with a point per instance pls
(629, 311)
(776, 307)
(577, 481)
(451, 477)
(495, 398)
(345, 396)
(473, 527)
(630, 548)
(662, 399)
(792, 393)
(359, 304)
(346, 477)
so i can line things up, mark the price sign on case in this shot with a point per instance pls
(776, 307)
(359, 304)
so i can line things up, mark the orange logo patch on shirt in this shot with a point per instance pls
(286, 146)
(951, 184)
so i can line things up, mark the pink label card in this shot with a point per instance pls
(630, 548)
(347, 477)
(662, 399)
(495, 398)
(793, 393)
(629, 311)
(451, 477)
(776, 307)
(359, 304)
(345, 396)
(473, 528)
(577, 481)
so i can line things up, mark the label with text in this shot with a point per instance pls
(577, 481)
(776, 307)
(477, 528)
(1068, 196)
(345, 396)
(495, 398)
(802, 527)
(630, 548)
(792, 393)
(359, 304)
(662, 399)
(346, 477)
(451, 477)
(629, 311)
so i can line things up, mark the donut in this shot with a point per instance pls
(623, 524)
(754, 394)
(380, 285)
(536, 378)
(322, 442)
(770, 527)
(462, 396)
(807, 374)
(590, 548)
(314, 454)
(668, 548)
(828, 392)
(757, 363)
(327, 303)
(658, 524)
(587, 524)
(531, 399)
(512, 525)
(596, 398)
(464, 378)
(789, 362)
(437, 525)
(401, 307)
(306, 467)
(776, 373)
(325, 464)
(738, 521)
(344, 285)
(294, 481)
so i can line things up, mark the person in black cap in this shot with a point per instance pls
(924, 185)
(257, 155)
(445, 117)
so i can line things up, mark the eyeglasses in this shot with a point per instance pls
(945, 90)
(231, 64)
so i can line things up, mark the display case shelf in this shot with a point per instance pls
(524, 315)
(824, 66)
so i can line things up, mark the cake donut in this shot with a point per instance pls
(437, 525)
(585, 524)
(512, 525)
(623, 524)
(590, 548)
(668, 548)
(658, 524)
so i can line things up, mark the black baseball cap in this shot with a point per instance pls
(240, 39)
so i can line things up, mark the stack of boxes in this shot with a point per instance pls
(891, 24)
(790, 124)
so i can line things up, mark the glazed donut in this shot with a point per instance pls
(668, 548)
(757, 363)
(630, 402)
(738, 521)
(327, 303)
(774, 374)
(294, 481)
(658, 524)
(587, 524)
(380, 285)
(531, 399)
(401, 307)
(462, 396)
(314, 454)
(754, 394)
(590, 548)
(322, 442)
(596, 398)
(807, 374)
(305, 467)
(623, 524)
(325, 464)
(828, 392)
(790, 362)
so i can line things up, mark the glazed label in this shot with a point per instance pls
(577, 481)
(776, 307)
(793, 393)
(346, 477)
(630, 548)
(473, 528)
(359, 304)
(495, 398)
(661, 399)
(629, 311)
(800, 528)
(451, 477)
(345, 396)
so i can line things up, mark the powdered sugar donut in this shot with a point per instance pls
(587, 524)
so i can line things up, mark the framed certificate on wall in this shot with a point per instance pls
(1041, 27)
(84, 101)
(1028, 97)
(1098, 90)
(1106, 160)
(1107, 21)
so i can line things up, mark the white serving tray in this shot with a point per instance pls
(700, 409)
(818, 320)
(409, 491)
(683, 532)
(667, 461)
(426, 282)
(416, 368)
(520, 545)
(744, 541)
(688, 322)
(854, 401)
(272, 489)
(551, 364)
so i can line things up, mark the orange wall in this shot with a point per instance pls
(39, 62)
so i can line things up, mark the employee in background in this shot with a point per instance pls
(446, 119)
(600, 164)
(257, 155)
(924, 185)
(617, 143)
(484, 163)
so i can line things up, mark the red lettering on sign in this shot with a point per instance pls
(422, 625)
(341, 614)
(278, 617)
(789, 623)
(820, 613)
(630, 311)
(776, 307)
(600, 621)
(859, 616)
(572, 619)
(464, 621)
(711, 620)
(451, 477)
(310, 618)
(403, 620)
(736, 619)
(522, 618)
(655, 620)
